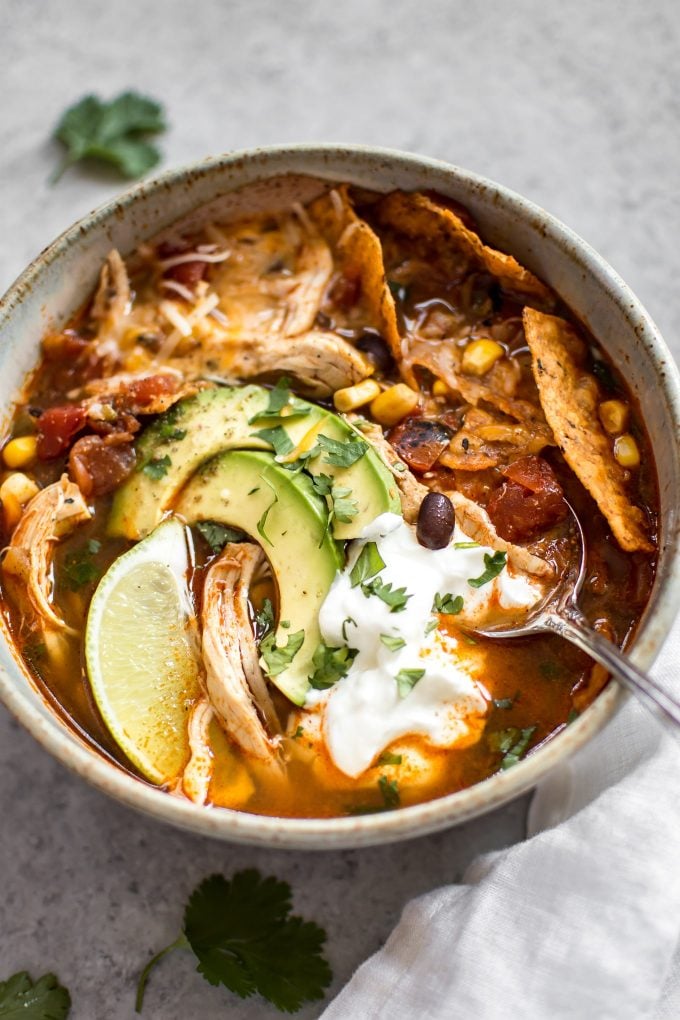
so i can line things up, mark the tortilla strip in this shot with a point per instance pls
(418, 217)
(359, 257)
(569, 397)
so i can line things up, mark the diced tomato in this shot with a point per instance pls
(142, 392)
(420, 442)
(529, 502)
(98, 467)
(56, 428)
(186, 273)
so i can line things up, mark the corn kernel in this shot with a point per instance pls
(16, 490)
(351, 397)
(394, 404)
(439, 388)
(136, 360)
(20, 452)
(614, 416)
(626, 451)
(480, 355)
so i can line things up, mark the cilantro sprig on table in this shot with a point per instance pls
(245, 937)
(44, 999)
(114, 133)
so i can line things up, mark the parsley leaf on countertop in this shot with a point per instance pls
(112, 132)
(24, 999)
(245, 937)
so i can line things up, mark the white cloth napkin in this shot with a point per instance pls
(579, 922)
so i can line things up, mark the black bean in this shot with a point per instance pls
(436, 521)
(376, 350)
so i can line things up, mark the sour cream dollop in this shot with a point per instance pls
(368, 709)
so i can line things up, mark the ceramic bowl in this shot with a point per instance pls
(59, 280)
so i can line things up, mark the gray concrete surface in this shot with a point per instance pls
(575, 105)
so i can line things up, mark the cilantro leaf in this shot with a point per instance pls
(393, 643)
(344, 507)
(78, 569)
(278, 438)
(512, 744)
(448, 605)
(217, 535)
(341, 454)
(330, 665)
(389, 758)
(170, 433)
(369, 562)
(466, 545)
(262, 523)
(348, 619)
(432, 625)
(282, 404)
(322, 484)
(407, 679)
(278, 658)
(390, 792)
(157, 467)
(264, 618)
(245, 937)
(493, 566)
(24, 999)
(112, 132)
(396, 599)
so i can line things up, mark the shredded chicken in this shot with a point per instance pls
(475, 522)
(411, 491)
(51, 514)
(321, 362)
(198, 771)
(234, 682)
(112, 300)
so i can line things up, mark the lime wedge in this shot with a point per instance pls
(141, 651)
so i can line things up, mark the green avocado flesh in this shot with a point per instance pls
(242, 489)
(217, 420)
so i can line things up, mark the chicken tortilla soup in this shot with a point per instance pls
(263, 488)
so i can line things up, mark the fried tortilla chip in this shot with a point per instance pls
(570, 398)
(475, 522)
(418, 217)
(358, 256)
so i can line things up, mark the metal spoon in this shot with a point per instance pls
(559, 613)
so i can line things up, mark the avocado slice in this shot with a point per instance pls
(216, 420)
(248, 490)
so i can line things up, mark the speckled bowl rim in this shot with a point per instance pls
(408, 822)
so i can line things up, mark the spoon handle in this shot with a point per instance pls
(576, 629)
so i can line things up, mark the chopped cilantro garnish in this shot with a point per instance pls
(549, 669)
(493, 566)
(44, 999)
(298, 733)
(390, 792)
(264, 618)
(348, 619)
(322, 484)
(330, 665)
(368, 563)
(432, 625)
(393, 643)
(78, 569)
(245, 937)
(277, 438)
(344, 507)
(572, 717)
(157, 467)
(512, 744)
(282, 404)
(396, 599)
(169, 431)
(502, 702)
(407, 679)
(262, 523)
(448, 605)
(388, 758)
(341, 454)
(217, 535)
(278, 658)
(466, 545)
